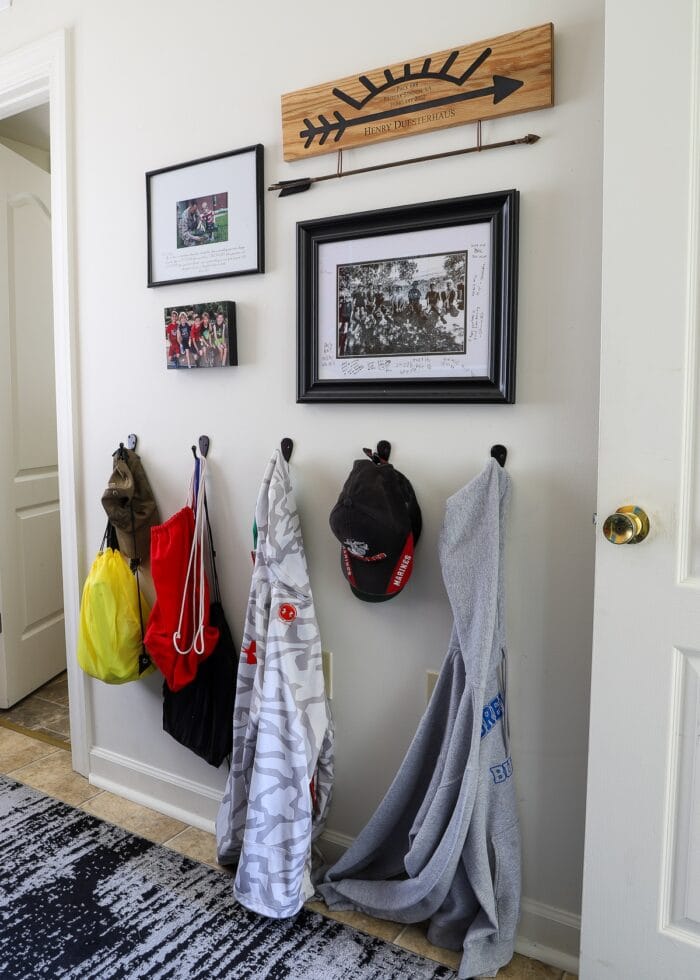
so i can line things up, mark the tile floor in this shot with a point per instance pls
(48, 768)
(44, 712)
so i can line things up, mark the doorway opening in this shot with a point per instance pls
(33, 681)
(36, 77)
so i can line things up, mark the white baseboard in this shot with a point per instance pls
(545, 933)
(192, 803)
(549, 934)
(333, 845)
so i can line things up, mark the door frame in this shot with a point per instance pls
(36, 74)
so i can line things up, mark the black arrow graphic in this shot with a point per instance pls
(502, 87)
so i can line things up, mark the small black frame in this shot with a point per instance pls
(258, 150)
(500, 210)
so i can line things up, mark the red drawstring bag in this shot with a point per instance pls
(179, 637)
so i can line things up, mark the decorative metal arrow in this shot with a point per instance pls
(502, 87)
(299, 184)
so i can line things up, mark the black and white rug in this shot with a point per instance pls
(82, 899)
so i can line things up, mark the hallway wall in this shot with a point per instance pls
(165, 82)
(32, 153)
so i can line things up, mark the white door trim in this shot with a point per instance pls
(31, 76)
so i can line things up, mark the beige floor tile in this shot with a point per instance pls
(54, 776)
(19, 750)
(50, 738)
(56, 690)
(133, 817)
(523, 968)
(381, 928)
(196, 844)
(35, 713)
(413, 939)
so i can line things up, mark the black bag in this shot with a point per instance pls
(200, 715)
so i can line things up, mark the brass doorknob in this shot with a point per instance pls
(628, 525)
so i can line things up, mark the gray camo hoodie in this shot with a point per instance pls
(444, 844)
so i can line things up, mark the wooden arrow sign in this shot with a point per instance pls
(508, 74)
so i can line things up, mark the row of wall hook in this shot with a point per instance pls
(383, 451)
(380, 455)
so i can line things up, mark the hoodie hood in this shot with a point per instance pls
(279, 552)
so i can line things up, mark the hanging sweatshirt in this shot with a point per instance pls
(444, 843)
(279, 786)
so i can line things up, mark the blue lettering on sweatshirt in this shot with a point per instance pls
(503, 771)
(492, 713)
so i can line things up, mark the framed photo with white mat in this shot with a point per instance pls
(409, 304)
(206, 218)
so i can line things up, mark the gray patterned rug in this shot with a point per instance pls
(82, 899)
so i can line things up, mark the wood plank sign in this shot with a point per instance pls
(507, 74)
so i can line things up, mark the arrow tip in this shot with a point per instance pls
(503, 87)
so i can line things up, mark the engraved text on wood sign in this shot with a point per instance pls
(499, 77)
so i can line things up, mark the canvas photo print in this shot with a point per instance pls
(202, 220)
(411, 305)
(200, 335)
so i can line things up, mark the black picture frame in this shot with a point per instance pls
(257, 150)
(498, 209)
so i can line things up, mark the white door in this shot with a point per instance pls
(641, 903)
(32, 644)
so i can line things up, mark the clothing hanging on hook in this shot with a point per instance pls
(278, 791)
(428, 851)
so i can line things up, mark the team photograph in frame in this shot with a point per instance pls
(206, 218)
(401, 307)
(415, 303)
(200, 335)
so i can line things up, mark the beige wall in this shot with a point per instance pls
(163, 82)
(34, 154)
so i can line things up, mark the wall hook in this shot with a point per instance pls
(204, 446)
(382, 453)
(287, 446)
(384, 450)
(499, 453)
(131, 441)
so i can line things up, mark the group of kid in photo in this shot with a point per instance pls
(196, 340)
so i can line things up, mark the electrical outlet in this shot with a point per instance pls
(431, 677)
(327, 657)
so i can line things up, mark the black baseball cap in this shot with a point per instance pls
(378, 522)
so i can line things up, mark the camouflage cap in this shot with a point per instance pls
(130, 505)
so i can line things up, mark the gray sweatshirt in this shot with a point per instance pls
(444, 843)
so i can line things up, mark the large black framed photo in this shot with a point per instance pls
(410, 304)
(206, 218)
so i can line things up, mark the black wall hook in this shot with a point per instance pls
(381, 455)
(287, 447)
(131, 441)
(499, 453)
(204, 446)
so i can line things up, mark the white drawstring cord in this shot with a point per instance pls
(197, 544)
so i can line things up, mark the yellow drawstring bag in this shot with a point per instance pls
(110, 644)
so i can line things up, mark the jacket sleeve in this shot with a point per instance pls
(273, 876)
(233, 813)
